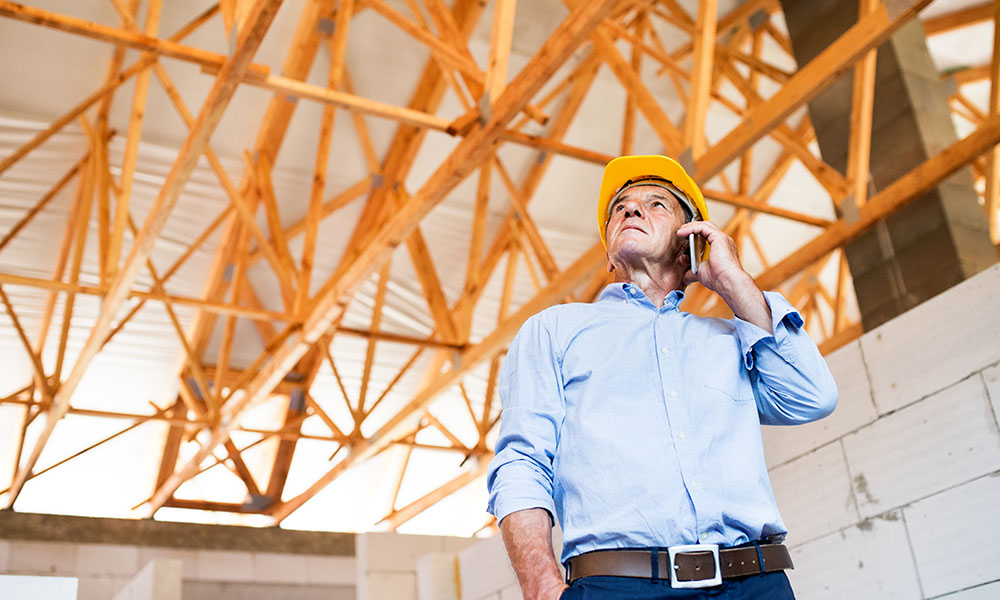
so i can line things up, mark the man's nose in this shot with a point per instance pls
(632, 209)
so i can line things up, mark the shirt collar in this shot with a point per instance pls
(627, 291)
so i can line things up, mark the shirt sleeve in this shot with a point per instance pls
(792, 382)
(531, 393)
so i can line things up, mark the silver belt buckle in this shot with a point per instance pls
(673, 551)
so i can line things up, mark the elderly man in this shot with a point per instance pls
(638, 425)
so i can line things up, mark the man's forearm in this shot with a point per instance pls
(747, 302)
(527, 535)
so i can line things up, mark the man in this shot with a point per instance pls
(639, 425)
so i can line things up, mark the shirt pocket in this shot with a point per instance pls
(722, 369)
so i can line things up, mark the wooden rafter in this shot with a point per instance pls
(297, 336)
(222, 91)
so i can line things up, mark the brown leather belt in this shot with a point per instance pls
(693, 566)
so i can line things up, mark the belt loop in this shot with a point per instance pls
(654, 563)
(567, 566)
(760, 556)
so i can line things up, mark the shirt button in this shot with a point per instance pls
(682, 436)
(624, 301)
(694, 485)
(665, 350)
(673, 393)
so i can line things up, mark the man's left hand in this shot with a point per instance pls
(723, 274)
(722, 270)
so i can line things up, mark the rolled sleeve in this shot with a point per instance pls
(520, 475)
(793, 384)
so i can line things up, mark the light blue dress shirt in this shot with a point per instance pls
(640, 427)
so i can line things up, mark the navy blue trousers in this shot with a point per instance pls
(771, 586)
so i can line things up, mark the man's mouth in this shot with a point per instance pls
(636, 227)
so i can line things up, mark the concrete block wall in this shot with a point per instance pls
(104, 570)
(897, 494)
(388, 563)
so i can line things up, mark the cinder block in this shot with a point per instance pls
(454, 544)
(99, 587)
(511, 593)
(990, 591)
(331, 570)
(42, 558)
(188, 558)
(956, 536)
(32, 587)
(484, 568)
(991, 377)
(4, 555)
(814, 494)
(107, 559)
(391, 586)
(271, 567)
(437, 577)
(935, 344)
(854, 409)
(943, 440)
(157, 580)
(393, 552)
(221, 565)
(870, 560)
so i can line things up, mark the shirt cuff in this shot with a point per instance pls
(501, 508)
(783, 316)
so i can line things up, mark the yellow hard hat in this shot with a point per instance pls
(626, 170)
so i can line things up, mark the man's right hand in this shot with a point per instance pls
(527, 535)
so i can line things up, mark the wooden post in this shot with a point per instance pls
(701, 77)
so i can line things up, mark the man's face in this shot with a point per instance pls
(643, 224)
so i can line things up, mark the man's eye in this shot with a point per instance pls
(618, 208)
(660, 204)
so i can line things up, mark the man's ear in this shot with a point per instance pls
(610, 267)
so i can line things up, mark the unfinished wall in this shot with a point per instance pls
(387, 563)
(71, 547)
(897, 494)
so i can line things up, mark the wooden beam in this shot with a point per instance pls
(376, 323)
(430, 283)
(478, 230)
(701, 77)
(992, 192)
(556, 147)
(285, 268)
(402, 515)
(962, 17)
(122, 37)
(748, 203)
(527, 224)
(43, 202)
(628, 120)
(218, 98)
(808, 82)
(36, 362)
(501, 37)
(862, 107)
(130, 156)
(917, 181)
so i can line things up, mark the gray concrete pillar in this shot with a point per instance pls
(938, 239)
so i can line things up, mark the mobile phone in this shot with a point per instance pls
(694, 251)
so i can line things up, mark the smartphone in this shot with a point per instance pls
(695, 246)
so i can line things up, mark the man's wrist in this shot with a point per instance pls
(736, 288)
